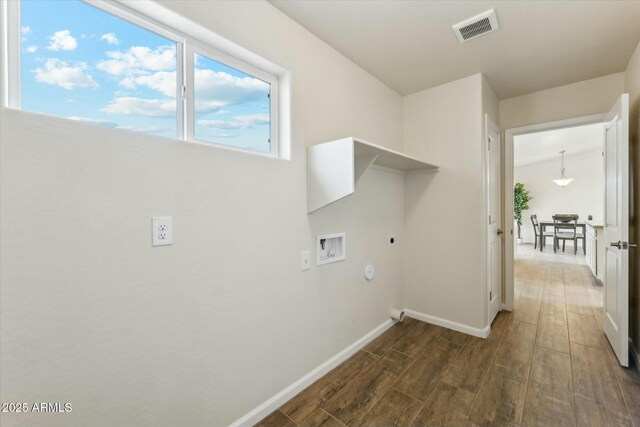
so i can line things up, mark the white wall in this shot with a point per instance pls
(584, 196)
(203, 331)
(579, 99)
(443, 252)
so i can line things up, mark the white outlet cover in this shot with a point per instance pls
(369, 272)
(162, 230)
(305, 260)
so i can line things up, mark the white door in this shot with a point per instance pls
(616, 229)
(494, 249)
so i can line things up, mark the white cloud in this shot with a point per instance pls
(154, 69)
(225, 135)
(32, 49)
(62, 40)
(25, 31)
(110, 38)
(92, 120)
(60, 73)
(219, 124)
(141, 107)
(148, 129)
(162, 81)
(112, 67)
(128, 83)
(238, 122)
(213, 89)
(204, 106)
(253, 119)
(139, 60)
(228, 89)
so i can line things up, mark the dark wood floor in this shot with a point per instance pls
(547, 363)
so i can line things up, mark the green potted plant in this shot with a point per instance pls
(521, 199)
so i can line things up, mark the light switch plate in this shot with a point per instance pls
(162, 230)
(305, 260)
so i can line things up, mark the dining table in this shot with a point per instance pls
(549, 223)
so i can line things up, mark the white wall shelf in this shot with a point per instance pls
(334, 168)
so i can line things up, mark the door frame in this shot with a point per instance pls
(507, 214)
(489, 122)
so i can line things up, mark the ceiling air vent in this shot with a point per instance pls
(474, 27)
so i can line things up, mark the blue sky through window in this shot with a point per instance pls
(82, 63)
(231, 107)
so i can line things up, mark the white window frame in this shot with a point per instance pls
(186, 48)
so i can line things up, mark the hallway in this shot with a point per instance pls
(545, 364)
(575, 376)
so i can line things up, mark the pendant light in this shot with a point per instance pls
(562, 182)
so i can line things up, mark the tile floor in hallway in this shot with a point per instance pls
(547, 363)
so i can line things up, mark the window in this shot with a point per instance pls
(84, 64)
(106, 65)
(244, 119)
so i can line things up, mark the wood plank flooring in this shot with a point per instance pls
(547, 363)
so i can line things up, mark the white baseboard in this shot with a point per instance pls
(279, 399)
(476, 332)
(634, 354)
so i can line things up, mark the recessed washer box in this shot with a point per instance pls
(331, 248)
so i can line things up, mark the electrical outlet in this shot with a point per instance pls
(306, 260)
(162, 230)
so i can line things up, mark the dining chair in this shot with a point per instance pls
(565, 228)
(566, 217)
(579, 236)
(536, 231)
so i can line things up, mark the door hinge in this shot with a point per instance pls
(488, 144)
(490, 295)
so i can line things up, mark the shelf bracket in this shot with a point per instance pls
(362, 163)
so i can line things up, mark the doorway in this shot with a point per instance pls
(559, 174)
(613, 221)
(509, 183)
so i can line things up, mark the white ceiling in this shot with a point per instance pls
(544, 146)
(410, 45)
